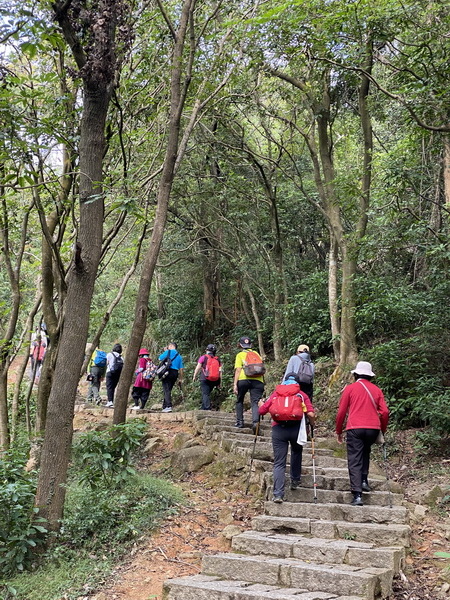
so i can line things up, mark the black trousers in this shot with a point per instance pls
(283, 436)
(140, 396)
(256, 389)
(207, 387)
(112, 379)
(168, 383)
(359, 444)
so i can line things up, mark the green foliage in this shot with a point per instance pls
(21, 531)
(101, 517)
(104, 458)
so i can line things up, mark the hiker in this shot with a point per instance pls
(248, 361)
(301, 364)
(114, 365)
(175, 372)
(210, 369)
(97, 370)
(145, 373)
(38, 353)
(362, 402)
(287, 405)
(38, 337)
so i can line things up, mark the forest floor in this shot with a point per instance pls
(213, 503)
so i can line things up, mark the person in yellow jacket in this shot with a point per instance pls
(247, 383)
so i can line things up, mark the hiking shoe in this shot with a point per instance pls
(295, 485)
(109, 405)
(135, 407)
(167, 409)
(357, 500)
(277, 499)
(240, 425)
(365, 487)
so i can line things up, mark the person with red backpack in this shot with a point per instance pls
(249, 372)
(210, 369)
(287, 406)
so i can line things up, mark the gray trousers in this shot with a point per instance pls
(282, 435)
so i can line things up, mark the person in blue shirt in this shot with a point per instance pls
(175, 372)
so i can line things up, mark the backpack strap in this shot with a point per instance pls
(371, 397)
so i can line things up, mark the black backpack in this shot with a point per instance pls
(117, 365)
(305, 373)
(164, 367)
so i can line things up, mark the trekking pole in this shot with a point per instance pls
(253, 456)
(387, 474)
(313, 462)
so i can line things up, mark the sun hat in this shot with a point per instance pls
(303, 348)
(363, 368)
(143, 351)
(245, 342)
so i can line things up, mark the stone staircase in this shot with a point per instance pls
(302, 549)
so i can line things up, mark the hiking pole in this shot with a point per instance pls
(313, 462)
(387, 474)
(253, 456)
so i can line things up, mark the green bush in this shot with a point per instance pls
(103, 459)
(21, 531)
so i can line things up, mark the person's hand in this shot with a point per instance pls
(261, 401)
(339, 438)
(235, 390)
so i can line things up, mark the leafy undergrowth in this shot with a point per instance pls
(104, 515)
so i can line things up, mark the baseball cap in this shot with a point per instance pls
(245, 342)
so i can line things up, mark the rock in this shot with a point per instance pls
(152, 444)
(181, 440)
(432, 496)
(420, 511)
(230, 531)
(226, 517)
(189, 460)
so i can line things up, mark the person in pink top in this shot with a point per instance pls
(141, 387)
(363, 404)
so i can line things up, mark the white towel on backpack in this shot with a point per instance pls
(302, 437)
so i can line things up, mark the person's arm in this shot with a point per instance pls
(342, 412)
(180, 375)
(264, 408)
(237, 372)
(197, 370)
(310, 412)
(383, 412)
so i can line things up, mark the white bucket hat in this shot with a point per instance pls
(363, 368)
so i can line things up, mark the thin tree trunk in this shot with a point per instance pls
(257, 322)
(446, 170)
(177, 99)
(333, 298)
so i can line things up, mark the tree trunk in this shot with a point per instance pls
(177, 99)
(446, 170)
(80, 286)
(333, 298)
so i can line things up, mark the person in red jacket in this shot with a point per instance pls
(362, 402)
(285, 433)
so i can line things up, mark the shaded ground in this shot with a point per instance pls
(216, 503)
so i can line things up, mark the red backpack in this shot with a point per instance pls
(211, 370)
(253, 365)
(286, 408)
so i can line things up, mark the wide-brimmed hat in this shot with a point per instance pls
(245, 342)
(143, 351)
(364, 368)
(303, 348)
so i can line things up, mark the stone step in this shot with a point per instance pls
(338, 512)
(204, 587)
(305, 494)
(381, 535)
(326, 482)
(266, 440)
(367, 582)
(319, 550)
